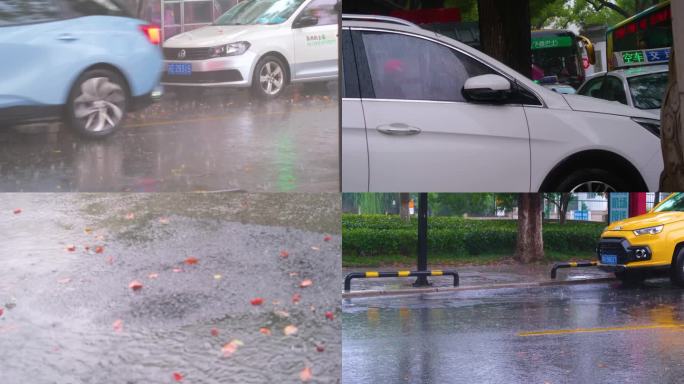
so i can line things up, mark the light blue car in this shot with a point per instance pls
(85, 62)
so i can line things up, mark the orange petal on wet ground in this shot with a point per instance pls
(327, 238)
(284, 254)
(99, 249)
(191, 260)
(17, 211)
(71, 248)
(290, 330)
(265, 331)
(135, 285)
(306, 283)
(163, 220)
(177, 376)
(152, 275)
(305, 374)
(257, 301)
(329, 315)
(296, 298)
(118, 325)
(231, 347)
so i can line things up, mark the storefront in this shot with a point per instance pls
(177, 16)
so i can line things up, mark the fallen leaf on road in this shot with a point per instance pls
(177, 376)
(329, 315)
(191, 260)
(305, 374)
(293, 274)
(17, 211)
(99, 249)
(71, 248)
(135, 285)
(265, 331)
(284, 254)
(214, 332)
(231, 347)
(257, 301)
(290, 330)
(315, 248)
(296, 298)
(327, 238)
(305, 283)
(65, 280)
(152, 275)
(87, 230)
(118, 325)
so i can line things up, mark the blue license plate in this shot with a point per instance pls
(180, 69)
(609, 259)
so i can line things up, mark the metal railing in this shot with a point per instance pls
(572, 264)
(367, 275)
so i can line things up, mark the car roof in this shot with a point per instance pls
(626, 73)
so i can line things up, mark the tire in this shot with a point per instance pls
(269, 78)
(97, 103)
(630, 277)
(677, 270)
(593, 180)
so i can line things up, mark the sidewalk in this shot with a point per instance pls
(476, 276)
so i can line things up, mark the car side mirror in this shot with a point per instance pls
(487, 88)
(305, 21)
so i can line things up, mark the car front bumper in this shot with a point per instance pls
(230, 71)
(627, 255)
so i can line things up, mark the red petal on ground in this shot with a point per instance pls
(17, 211)
(214, 332)
(320, 348)
(329, 315)
(135, 285)
(327, 238)
(257, 301)
(71, 248)
(118, 325)
(296, 298)
(177, 376)
(177, 270)
(265, 331)
(284, 254)
(191, 260)
(99, 249)
(305, 374)
(305, 283)
(1, 311)
(130, 216)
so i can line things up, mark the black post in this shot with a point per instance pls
(422, 281)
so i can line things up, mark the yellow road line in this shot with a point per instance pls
(606, 329)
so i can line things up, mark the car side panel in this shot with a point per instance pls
(354, 147)
(557, 134)
(315, 52)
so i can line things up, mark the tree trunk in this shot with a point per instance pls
(672, 178)
(530, 244)
(505, 32)
(404, 206)
(564, 202)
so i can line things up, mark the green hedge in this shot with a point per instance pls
(368, 235)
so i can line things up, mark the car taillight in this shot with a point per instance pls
(152, 32)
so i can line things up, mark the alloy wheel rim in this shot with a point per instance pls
(100, 104)
(593, 186)
(271, 78)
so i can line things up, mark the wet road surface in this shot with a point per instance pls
(70, 316)
(217, 140)
(595, 333)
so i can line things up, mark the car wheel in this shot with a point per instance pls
(97, 103)
(593, 180)
(677, 271)
(630, 277)
(270, 77)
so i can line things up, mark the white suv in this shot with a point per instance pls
(422, 112)
(264, 44)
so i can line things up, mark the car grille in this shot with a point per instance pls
(614, 246)
(226, 76)
(190, 53)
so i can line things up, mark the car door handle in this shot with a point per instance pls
(67, 37)
(398, 129)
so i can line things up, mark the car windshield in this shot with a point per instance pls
(253, 12)
(648, 90)
(675, 203)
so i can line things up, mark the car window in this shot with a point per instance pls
(592, 88)
(411, 68)
(349, 81)
(648, 91)
(96, 8)
(22, 11)
(323, 10)
(613, 90)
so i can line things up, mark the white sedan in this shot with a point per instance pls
(422, 112)
(263, 44)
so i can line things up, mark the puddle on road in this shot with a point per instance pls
(60, 307)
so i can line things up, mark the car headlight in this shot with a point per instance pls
(232, 49)
(651, 125)
(649, 231)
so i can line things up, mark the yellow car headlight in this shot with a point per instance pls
(649, 230)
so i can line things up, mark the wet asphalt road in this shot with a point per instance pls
(597, 333)
(217, 140)
(60, 308)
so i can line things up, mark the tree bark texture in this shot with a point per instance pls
(672, 178)
(530, 244)
(505, 32)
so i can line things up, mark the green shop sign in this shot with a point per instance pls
(551, 42)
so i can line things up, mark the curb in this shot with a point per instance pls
(419, 291)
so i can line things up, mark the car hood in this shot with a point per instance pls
(592, 104)
(212, 35)
(651, 219)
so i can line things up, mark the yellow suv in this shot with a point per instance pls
(646, 245)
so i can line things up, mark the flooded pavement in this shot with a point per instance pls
(587, 333)
(69, 314)
(475, 275)
(213, 140)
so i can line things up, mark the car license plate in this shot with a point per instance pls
(180, 69)
(609, 259)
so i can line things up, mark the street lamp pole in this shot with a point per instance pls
(422, 281)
